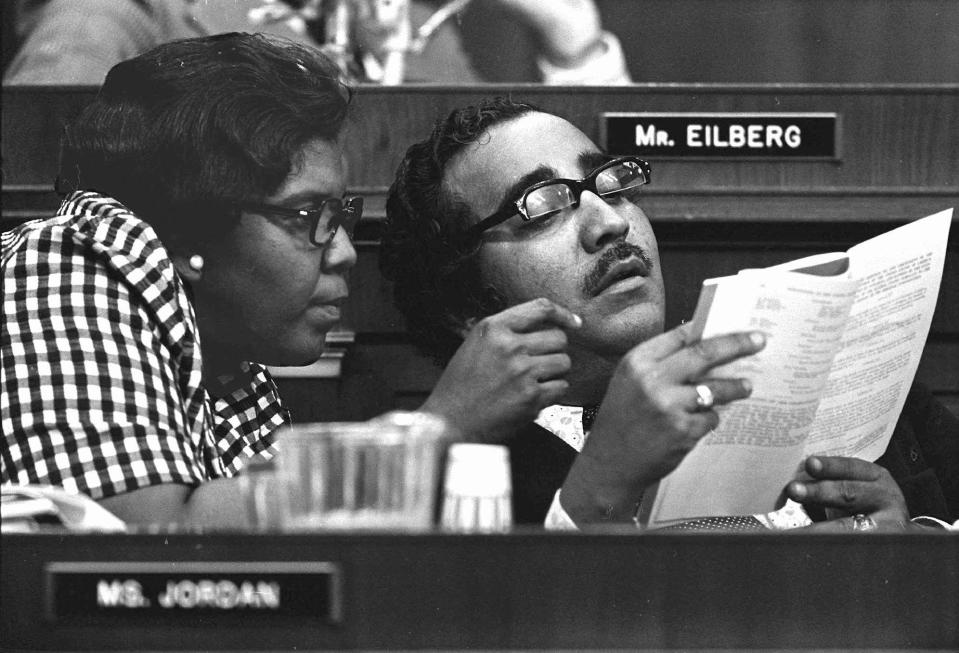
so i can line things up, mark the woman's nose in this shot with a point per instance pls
(339, 253)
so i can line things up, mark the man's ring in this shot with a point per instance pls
(704, 397)
(863, 522)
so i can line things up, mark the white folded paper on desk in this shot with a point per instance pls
(23, 508)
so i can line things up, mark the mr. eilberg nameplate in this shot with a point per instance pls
(187, 591)
(722, 135)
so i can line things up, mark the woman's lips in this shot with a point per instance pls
(329, 309)
(326, 312)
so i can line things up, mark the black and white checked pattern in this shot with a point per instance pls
(100, 371)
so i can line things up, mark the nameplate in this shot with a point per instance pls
(198, 593)
(807, 136)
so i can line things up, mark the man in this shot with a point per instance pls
(505, 204)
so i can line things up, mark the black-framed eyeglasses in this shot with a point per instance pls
(547, 198)
(323, 221)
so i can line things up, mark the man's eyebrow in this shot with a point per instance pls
(590, 160)
(542, 172)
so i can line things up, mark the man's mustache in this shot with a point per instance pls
(620, 251)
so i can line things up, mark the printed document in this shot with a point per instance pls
(845, 333)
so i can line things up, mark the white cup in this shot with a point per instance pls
(477, 489)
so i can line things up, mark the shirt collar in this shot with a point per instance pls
(565, 422)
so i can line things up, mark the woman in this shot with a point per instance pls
(206, 229)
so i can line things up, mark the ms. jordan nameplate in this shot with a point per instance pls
(188, 591)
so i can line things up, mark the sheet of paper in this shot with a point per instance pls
(844, 341)
(739, 468)
(900, 272)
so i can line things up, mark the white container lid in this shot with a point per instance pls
(478, 470)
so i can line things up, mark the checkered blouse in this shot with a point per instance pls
(100, 369)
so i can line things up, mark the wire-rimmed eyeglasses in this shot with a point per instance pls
(323, 221)
(547, 198)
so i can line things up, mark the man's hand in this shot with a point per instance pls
(510, 367)
(850, 486)
(649, 420)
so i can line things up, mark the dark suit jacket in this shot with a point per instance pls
(923, 457)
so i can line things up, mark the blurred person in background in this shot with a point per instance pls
(385, 41)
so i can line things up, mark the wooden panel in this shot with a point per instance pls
(895, 139)
(532, 591)
(379, 375)
(32, 123)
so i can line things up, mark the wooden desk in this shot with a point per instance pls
(518, 591)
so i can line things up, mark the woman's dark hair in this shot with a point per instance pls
(437, 284)
(201, 122)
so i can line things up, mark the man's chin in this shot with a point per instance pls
(617, 334)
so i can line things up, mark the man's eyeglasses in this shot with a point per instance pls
(322, 221)
(545, 199)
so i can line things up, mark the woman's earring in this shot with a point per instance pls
(196, 262)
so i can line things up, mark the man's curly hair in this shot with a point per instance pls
(437, 284)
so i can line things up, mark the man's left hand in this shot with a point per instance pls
(857, 495)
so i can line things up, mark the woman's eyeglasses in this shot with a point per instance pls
(323, 221)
